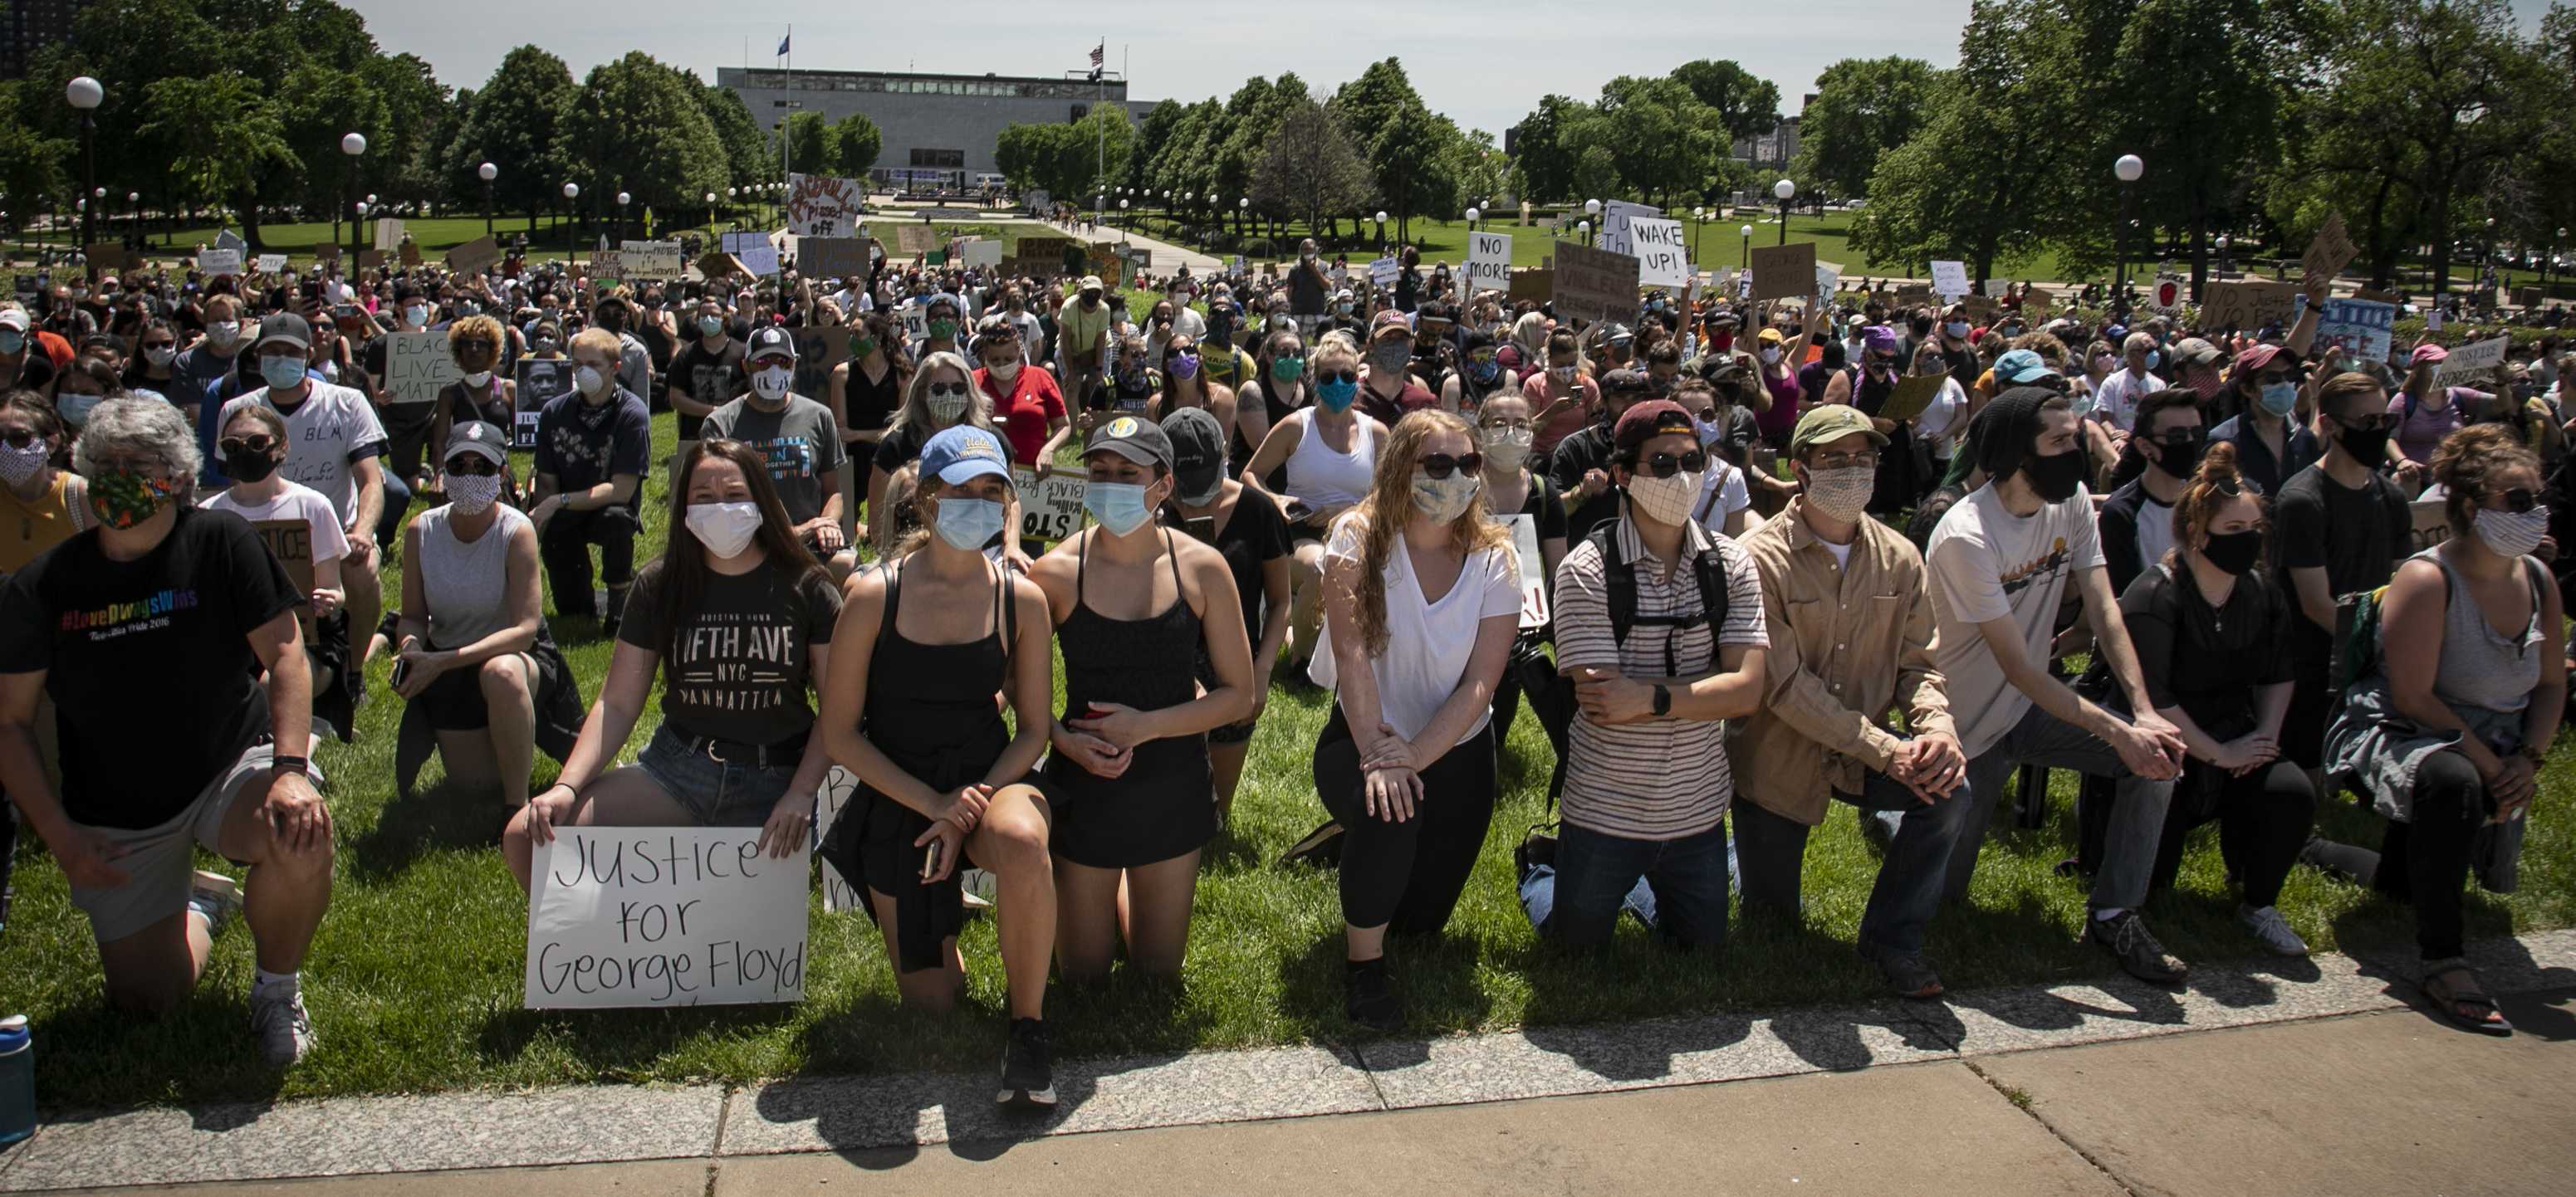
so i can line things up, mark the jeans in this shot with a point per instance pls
(1596, 874)
(564, 547)
(389, 525)
(2137, 814)
(1771, 851)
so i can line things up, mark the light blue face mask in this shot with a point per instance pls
(2155, 358)
(11, 341)
(2280, 397)
(1119, 506)
(968, 524)
(281, 373)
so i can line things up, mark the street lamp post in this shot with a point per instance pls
(571, 192)
(1472, 214)
(1699, 225)
(2226, 262)
(622, 199)
(1784, 189)
(134, 217)
(2478, 277)
(1744, 252)
(1122, 222)
(2551, 260)
(354, 145)
(84, 94)
(1583, 229)
(1591, 212)
(487, 172)
(1381, 230)
(2128, 169)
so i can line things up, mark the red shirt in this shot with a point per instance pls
(1023, 415)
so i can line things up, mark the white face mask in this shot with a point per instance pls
(1441, 499)
(2510, 533)
(771, 384)
(725, 528)
(417, 313)
(1506, 447)
(1770, 357)
(223, 332)
(473, 494)
(1664, 500)
(159, 356)
(589, 379)
(479, 379)
(1004, 373)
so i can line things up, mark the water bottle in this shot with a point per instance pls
(17, 1080)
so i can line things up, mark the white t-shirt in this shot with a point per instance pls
(2155, 531)
(1721, 493)
(2116, 400)
(1427, 643)
(334, 428)
(1987, 563)
(1943, 419)
(296, 502)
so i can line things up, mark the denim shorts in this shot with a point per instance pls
(715, 793)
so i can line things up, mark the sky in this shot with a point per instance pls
(1486, 66)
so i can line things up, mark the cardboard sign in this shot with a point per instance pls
(271, 263)
(838, 793)
(1662, 258)
(1045, 247)
(655, 260)
(389, 232)
(108, 255)
(1981, 309)
(823, 206)
(326, 254)
(1950, 279)
(474, 256)
(1533, 566)
(832, 257)
(1913, 393)
(1383, 271)
(760, 259)
(717, 264)
(1913, 294)
(983, 254)
(1050, 507)
(219, 262)
(1538, 285)
(231, 241)
(2248, 305)
(1615, 218)
(1101, 258)
(2479, 357)
(2359, 327)
(915, 239)
(604, 265)
(1594, 284)
(1997, 288)
(1784, 271)
(416, 366)
(1489, 263)
(541, 381)
(291, 542)
(664, 916)
(411, 253)
(2331, 251)
(371, 259)
(2431, 520)
(818, 349)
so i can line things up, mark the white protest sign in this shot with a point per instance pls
(983, 253)
(665, 916)
(1533, 567)
(389, 233)
(1950, 279)
(416, 366)
(1050, 507)
(760, 259)
(1662, 260)
(2469, 359)
(220, 261)
(230, 240)
(823, 206)
(2360, 327)
(648, 260)
(1384, 270)
(1829, 277)
(839, 794)
(1489, 263)
(1615, 217)
(1997, 288)
(743, 240)
(271, 263)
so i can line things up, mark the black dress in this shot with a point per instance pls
(1895, 490)
(1164, 805)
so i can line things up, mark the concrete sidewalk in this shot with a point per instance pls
(2316, 1077)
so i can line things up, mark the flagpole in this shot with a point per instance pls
(1100, 169)
(783, 142)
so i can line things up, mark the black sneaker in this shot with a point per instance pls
(1908, 974)
(1538, 849)
(1321, 847)
(1028, 1080)
(1368, 998)
(2126, 938)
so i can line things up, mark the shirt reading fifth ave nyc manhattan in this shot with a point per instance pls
(111, 636)
(1988, 563)
(737, 670)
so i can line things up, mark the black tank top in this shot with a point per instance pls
(930, 706)
(1148, 664)
(872, 404)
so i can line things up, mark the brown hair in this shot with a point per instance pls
(2046, 345)
(679, 576)
(2466, 459)
(257, 413)
(472, 329)
(1388, 507)
(2157, 403)
(2332, 392)
(2214, 485)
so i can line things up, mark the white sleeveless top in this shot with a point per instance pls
(467, 584)
(1324, 478)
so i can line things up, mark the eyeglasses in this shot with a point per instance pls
(1865, 459)
(1339, 376)
(1665, 465)
(472, 466)
(2374, 422)
(1441, 465)
(2519, 500)
(1504, 425)
(254, 443)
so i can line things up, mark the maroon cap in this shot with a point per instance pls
(1646, 421)
(2256, 358)
(1387, 319)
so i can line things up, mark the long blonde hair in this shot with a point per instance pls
(915, 411)
(1388, 507)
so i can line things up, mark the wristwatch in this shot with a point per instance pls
(1663, 702)
(291, 764)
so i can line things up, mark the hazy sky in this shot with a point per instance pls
(1486, 64)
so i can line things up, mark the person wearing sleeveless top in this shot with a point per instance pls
(1130, 779)
(1277, 387)
(41, 505)
(1330, 454)
(928, 639)
(474, 344)
(2448, 733)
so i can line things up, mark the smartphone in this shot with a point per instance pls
(930, 860)
(401, 672)
(1201, 527)
(1298, 512)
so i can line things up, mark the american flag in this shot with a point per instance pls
(1099, 54)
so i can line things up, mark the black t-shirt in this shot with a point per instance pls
(1586, 450)
(738, 669)
(1253, 536)
(712, 378)
(2356, 536)
(1546, 506)
(2208, 661)
(872, 404)
(175, 622)
(583, 446)
(900, 446)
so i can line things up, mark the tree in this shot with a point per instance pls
(1541, 149)
(513, 125)
(2460, 80)
(635, 125)
(227, 134)
(745, 147)
(2200, 99)
(1311, 166)
(31, 164)
(1400, 140)
(859, 142)
(1661, 138)
(1746, 105)
(1864, 107)
(809, 141)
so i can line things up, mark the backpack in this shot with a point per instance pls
(2356, 640)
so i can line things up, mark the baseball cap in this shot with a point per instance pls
(1769, 335)
(1648, 420)
(1198, 450)
(1090, 282)
(1613, 333)
(2259, 356)
(770, 341)
(962, 453)
(14, 318)
(1831, 422)
(2020, 366)
(2194, 351)
(480, 438)
(2428, 353)
(1625, 380)
(287, 327)
(1139, 441)
(1390, 318)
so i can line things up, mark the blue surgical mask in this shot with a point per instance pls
(2155, 358)
(2280, 397)
(968, 524)
(1336, 395)
(281, 373)
(1119, 506)
(11, 341)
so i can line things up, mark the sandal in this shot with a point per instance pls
(2453, 987)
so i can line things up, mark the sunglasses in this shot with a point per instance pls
(1665, 465)
(2519, 500)
(256, 443)
(472, 467)
(941, 390)
(2184, 436)
(2374, 422)
(1441, 465)
(1338, 376)
(20, 438)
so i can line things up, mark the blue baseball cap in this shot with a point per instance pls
(963, 453)
(2020, 366)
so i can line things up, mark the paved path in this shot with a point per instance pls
(2314, 1077)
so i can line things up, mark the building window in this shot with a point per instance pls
(1079, 111)
(949, 159)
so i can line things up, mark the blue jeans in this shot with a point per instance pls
(1771, 851)
(389, 525)
(2137, 814)
(1596, 874)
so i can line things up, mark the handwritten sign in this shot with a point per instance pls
(831, 257)
(1784, 271)
(658, 260)
(1050, 507)
(541, 381)
(837, 798)
(416, 366)
(818, 349)
(2248, 305)
(2358, 327)
(664, 916)
(1829, 279)
(389, 233)
(1383, 271)
(742, 239)
(915, 238)
(1489, 262)
(410, 253)
(759, 259)
(474, 257)
(1950, 279)
(218, 262)
(2331, 251)
(1533, 284)
(1913, 393)
(1594, 284)
(1997, 288)
(716, 264)
(2474, 358)
(271, 263)
(823, 206)
(982, 253)
(1662, 259)
(1533, 568)
(605, 265)
(291, 542)
(1617, 217)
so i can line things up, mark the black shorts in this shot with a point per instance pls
(454, 700)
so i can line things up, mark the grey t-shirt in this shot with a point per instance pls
(800, 442)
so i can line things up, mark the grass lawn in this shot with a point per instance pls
(415, 980)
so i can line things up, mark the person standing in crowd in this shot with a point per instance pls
(1422, 601)
(707, 373)
(2212, 639)
(88, 621)
(2344, 527)
(2447, 731)
(1024, 399)
(474, 654)
(2000, 562)
(479, 393)
(794, 434)
(1581, 467)
(333, 445)
(2136, 523)
(1082, 342)
(593, 447)
(1331, 455)
(1660, 626)
(1248, 531)
(1850, 629)
(910, 709)
(254, 445)
(40, 505)
(738, 619)
(2427, 409)
(1129, 780)
(1564, 395)
(2271, 447)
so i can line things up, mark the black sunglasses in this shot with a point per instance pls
(20, 438)
(472, 467)
(256, 443)
(2519, 500)
(2374, 422)
(2185, 436)
(1664, 465)
(1338, 376)
(1441, 465)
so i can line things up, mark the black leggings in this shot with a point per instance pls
(1409, 874)
(2426, 860)
(2263, 819)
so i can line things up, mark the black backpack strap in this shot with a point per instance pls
(1711, 568)
(1619, 576)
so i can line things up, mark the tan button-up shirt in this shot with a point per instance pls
(1847, 645)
